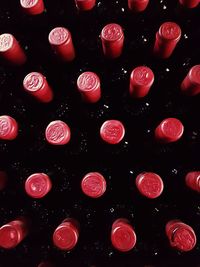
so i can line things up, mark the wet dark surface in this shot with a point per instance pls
(120, 164)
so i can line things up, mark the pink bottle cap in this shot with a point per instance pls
(141, 80)
(58, 133)
(10, 49)
(36, 85)
(85, 5)
(137, 5)
(191, 83)
(123, 236)
(38, 185)
(149, 184)
(8, 128)
(189, 3)
(169, 130)
(3, 180)
(66, 236)
(93, 185)
(61, 42)
(112, 131)
(112, 38)
(32, 7)
(192, 180)
(88, 84)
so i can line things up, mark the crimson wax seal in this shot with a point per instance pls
(58, 133)
(10, 50)
(88, 84)
(137, 5)
(191, 83)
(3, 180)
(36, 85)
(8, 128)
(32, 7)
(169, 130)
(189, 3)
(123, 236)
(12, 233)
(112, 38)
(141, 80)
(85, 5)
(66, 235)
(181, 236)
(61, 42)
(192, 180)
(149, 184)
(167, 38)
(112, 131)
(38, 185)
(93, 185)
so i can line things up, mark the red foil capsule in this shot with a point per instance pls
(89, 86)
(85, 5)
(38, 185)
(189, 3)
(3, 180)
(66, 235)
(112, 132)
(32, 7)
(181, 236)
(58, 133)
(169, 130)
(8, 128)
(112, 38)
(191, 83)
(10, 50)
(123, 236)
(12, 233)
(192, 180)
(36, 85)
(61, 42)
(167, 38)
(137, 5)
(141, 80)
(93, 185)
(149, 184)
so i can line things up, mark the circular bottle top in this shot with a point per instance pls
(33, 82)
(170, 31)
(112, 32)
(8, 128)
(6, 42)
(38, 185)
(9, 236)
(93, 185)
(149, 184)
(123, 236)
(59, 36)
(142, 76)
(192, 180)
(88, 81)
(29, 3)
(58, 133)
(194, 75)
(112, 131)
(65, 236)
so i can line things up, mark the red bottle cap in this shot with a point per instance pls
(167, 38)
(149, 184)
(38, 185)
(3, 180)
(85, 5)
(181, 236)
(141, 80)
(189, 3)
(112, 131)
(169, 130)
(112, 38)
(32, 7)
(10, 49)
(123, 236)
(192, 180)
(191, 83)
(12, 233)
(66, 235)
(88, 84)
(8, 128)
(93, 185)
(61, 42)
(137, 5)
(45, 264)
(58, 133)
(36, 85)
